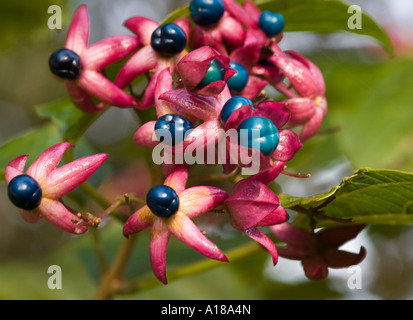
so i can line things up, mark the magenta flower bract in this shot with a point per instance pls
(192, 203)
(252, 205)
(146, 59)
(90, 83)
(55, 183)
(288, 145)
(193, 67)
(319, 251)
(223, 36)
(308, 106)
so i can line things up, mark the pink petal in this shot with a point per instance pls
(142, 61)
(313, 125)
(69, 176)
(293, 236)
(140, 220)
(254, 87)
(157, 249)
(177, 179)
(101, 88)
(32, 216)
(193, 66)
(198, 200)
(144, 136)
(278, 216)
(263, 240)
(315, 71)
(114, 48)
(201, 107)
(315, 268)
(275, 111)
(337, 236)
(255, 38)
(343, 259)
(185, 25)
(185, 230)
(240, 13)
(57, 214)
(238, 116)
(15, 168)
(270, 175)
(288, 145)
(231, 30)
(47, 162)
(247, 56)
(213, 88)
(78, 34)
(249, 203)
(301, 109)
(253, 11)
(203, 136)
(142, 27)
(81, 99)
(298, 74)
(163, 84)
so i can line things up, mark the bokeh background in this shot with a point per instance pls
(369, 124)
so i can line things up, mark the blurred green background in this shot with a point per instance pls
(369, 124)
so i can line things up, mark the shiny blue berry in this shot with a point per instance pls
(163, 201)
(271, 23)
(233, 104)
(65, 64)
(216, 72)
(168, 40)
(268, 138)
(173, 127)
(239, 80)
(24, 192)
(206, 12)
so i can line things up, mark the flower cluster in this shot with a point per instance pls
(206, 77)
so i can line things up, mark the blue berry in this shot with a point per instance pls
(163, 201)
(239, 80)
(216, 72)
(65, 64)
(168, 40)
(24, 192)
(177, 126)
(206, 12)
(268, 138)
(233, 104)
(271, 23)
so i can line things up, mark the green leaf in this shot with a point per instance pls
(32, 142)
(369, 196)
(322, 16)
(71, 121)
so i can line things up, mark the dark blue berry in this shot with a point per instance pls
(24, 192)
(65, 64)
(239, 80)
(233, 104)
(173, 127)
(206, 12)
(271, 23)
(163, 201)
(268, 138)
(216, 72)
(168, 40)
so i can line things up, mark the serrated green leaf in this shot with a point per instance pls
(369, 196)
(321, 16)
